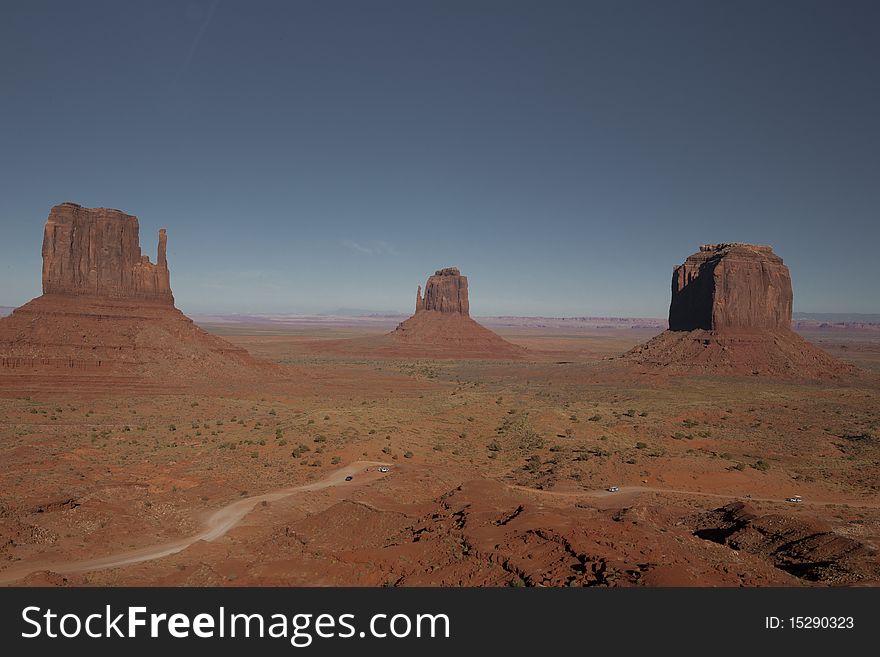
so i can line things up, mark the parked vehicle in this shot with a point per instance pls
(614, 489)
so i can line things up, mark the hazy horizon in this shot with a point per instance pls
(306, 156)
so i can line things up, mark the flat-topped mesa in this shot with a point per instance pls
(96, 252)
(731, 287)
(446, 292)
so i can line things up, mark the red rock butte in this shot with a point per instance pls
(107, 310)
(442, 326)
(96, 252)
(731, 313)
(740, 287)
(446, 292)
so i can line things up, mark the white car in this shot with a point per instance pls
(794, 498)
(384, 469)
(614, 489)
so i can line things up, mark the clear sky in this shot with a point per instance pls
(311, 155)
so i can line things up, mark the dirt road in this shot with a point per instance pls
(627, 494)
(216, 525)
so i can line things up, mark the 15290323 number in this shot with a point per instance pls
(821, 622)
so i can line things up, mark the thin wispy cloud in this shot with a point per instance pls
(198, 38)
(371, 247)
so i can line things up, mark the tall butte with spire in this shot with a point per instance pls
(731, 313)
(95, 252)
(107, 309)
(442, 325)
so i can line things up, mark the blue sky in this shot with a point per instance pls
(306, 156)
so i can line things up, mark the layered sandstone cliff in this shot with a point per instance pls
(446, 292)
(741, 287)
(96, 252)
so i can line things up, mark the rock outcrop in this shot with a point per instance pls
(446, 292)
(442, 327)
(107, 315)
(805, 547)
(741, 287)
(96, 252)
(731, 313)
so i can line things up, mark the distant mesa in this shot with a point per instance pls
(441, 324)
(108, 309)
(440, 327)
(731, 313)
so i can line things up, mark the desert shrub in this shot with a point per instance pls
(641, 445)
(594, 418)
(407, 455)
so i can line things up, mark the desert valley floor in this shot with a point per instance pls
(498, 470)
